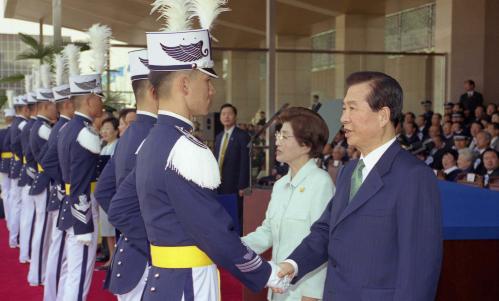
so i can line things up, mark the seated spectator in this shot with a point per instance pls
(483, 139)
(327, 153)
(447, 118)
(460, 142)
(434, 159)
(436, 119)
(339, 155)
(352, 153)
(457, 108)
(409, 117)
(480, 114)
(465, 160)
(448, 108)
(339, 139)
(457, 117)
(457, 129)
(474, 129)
(493, 130)
(449, 163)
(421, 153)
(422, 130)
(433, 132)
(447, 132)
(409, 137)
(495, 118)
(491, 165)
(491, 109)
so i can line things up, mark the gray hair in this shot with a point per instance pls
(466, 154)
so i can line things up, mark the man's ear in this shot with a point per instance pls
(384, 116)
(183, 83)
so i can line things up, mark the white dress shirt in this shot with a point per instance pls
(296, 203)
(373, 157)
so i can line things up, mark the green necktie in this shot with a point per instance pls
(356, 179)
(224, 149)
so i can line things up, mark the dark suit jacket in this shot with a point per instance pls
(235, 169)
(470, 103)
(387, 243)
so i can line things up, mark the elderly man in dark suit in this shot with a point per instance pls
(381, 234)
(232, 153)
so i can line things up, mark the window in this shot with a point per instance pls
(411, 30)
(323, 41)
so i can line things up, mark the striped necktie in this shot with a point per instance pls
(356, 179)
(224, 149)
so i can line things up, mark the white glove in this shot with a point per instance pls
(84, 238)
(276, 282)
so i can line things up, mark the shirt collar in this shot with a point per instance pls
(229, 131)
(174, 115)
(301, 174)
(450, 169)
(64, 116)
(43, 117)
(147, 114)
(83, 115)
(373, 157)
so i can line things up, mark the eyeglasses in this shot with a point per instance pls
(281, 137)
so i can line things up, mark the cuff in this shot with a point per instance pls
(295, 266)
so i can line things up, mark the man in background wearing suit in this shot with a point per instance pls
(232, 153)
(381, 234)
(470, 98)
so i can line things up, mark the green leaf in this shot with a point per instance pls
(29, 40)
(12, 79)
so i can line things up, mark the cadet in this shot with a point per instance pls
(9, 115)
(39, 191)
(50, 165)
(126, 278)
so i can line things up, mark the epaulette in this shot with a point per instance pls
(89, 139)
(21, 125)
(194, 161)
(44, 131)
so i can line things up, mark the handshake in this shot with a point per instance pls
(281, 276)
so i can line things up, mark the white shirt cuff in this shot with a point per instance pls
(293, 263)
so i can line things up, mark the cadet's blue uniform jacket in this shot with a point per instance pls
(78, 148)
(124, 213)
(178, 203)
(51, 167)
(38, 139)
(5, 145)
(28, 170)
(15, 145)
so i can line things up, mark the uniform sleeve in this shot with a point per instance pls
(50, 163)
(106, 186)
(244, 161)
(82, 171)
(211, 227)
(124, 210)
(419, 238)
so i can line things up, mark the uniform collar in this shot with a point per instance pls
(64, 116)
(175, 119)
(43, 118)
(33, 117)
(146, 117)
(304, 171)
(83, 116)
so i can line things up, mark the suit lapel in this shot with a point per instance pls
(371, 185)
(342, 192)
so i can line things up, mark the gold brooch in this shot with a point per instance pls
(302, 189)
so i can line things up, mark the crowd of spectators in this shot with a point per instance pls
(460, 145)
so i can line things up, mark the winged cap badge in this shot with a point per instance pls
(186, 53)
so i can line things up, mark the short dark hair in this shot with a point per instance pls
(451, 152)
(113, 121)
(385, 92)
(228, 105)
(139, 87)
(308, 127)
(124, 112)
(161, 82)
(470, 81)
